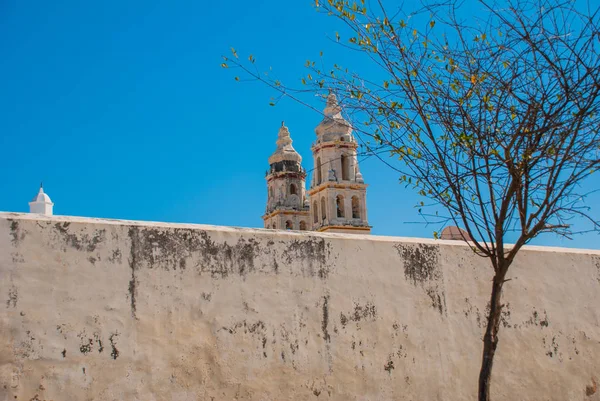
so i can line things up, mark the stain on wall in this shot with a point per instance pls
(422, 268)
(366, 312)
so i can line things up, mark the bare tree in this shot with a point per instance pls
(496, 119)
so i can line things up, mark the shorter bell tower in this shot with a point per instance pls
(287, 208)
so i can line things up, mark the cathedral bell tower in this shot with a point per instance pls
(287, 208)
(338, 191)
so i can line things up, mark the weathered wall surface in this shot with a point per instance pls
(109, 310)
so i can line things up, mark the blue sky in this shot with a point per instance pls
(122, 109)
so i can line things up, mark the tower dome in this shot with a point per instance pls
(455, 233)
(333, 127)
(285, 150)
(41, 203)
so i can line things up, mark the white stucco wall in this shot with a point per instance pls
(114, 310)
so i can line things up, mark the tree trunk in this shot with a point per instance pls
(490, 339)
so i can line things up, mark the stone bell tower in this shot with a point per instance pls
(338, 191)
(287, 208)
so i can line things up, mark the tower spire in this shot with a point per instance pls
(332, 108)
(285, 150)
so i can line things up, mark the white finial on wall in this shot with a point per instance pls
(41, 203)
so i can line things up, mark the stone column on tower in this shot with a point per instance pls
(287, 208)
(338, 193)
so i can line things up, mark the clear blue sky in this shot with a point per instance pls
(122, 110)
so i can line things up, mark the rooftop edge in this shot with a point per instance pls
(264, 231)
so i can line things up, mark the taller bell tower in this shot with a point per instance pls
(338, 193)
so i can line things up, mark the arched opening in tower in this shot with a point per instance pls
(323, 210)
(315, 212)
(355, 208)
(288, 225)
(302, 225)
(293, 189)
(339, 202)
